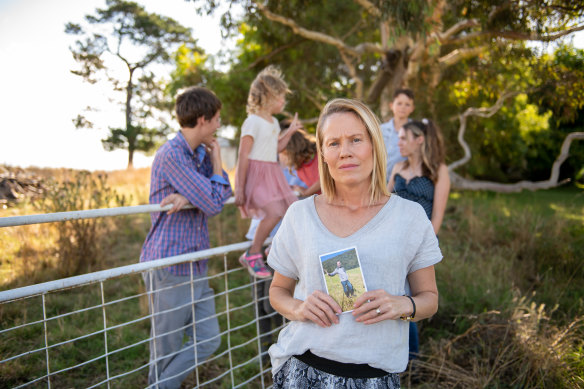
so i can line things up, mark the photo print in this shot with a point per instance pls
(343, 277)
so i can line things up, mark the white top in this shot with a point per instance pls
(395, 242)
(265, 137)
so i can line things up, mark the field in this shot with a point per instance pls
(511, 289)
(335, 289)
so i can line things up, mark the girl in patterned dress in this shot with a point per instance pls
(423, 177)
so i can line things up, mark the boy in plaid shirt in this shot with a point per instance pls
(186, 169)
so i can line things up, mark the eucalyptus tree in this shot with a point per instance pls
(455, 54)
(125, 33)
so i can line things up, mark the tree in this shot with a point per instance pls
(137, 39)
(454, 54)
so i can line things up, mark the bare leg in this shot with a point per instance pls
(266, 226)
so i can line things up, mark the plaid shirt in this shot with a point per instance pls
(177, 169)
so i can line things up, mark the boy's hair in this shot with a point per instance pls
(301, 148)
(432, 150)
(404, 91)
(377, 188)
(195, 102)
(268, 84)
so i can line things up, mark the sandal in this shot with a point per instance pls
(255, 265)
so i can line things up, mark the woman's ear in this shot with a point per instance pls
(420, 139)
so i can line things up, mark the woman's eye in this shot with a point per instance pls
(356, 140)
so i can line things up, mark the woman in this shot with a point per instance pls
(367, 347)
(423, 177)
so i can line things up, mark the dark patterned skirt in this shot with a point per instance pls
(296, 374)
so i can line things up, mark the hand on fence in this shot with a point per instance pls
(177, 200)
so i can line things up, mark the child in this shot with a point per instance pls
(186, 169)
(301, 155)
(402, 107)
(260, 187)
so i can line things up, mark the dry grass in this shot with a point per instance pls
(519, 349)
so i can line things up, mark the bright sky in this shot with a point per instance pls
(39, 96)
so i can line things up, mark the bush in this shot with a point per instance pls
(79, 242)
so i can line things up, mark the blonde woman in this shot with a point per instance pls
(368, 347)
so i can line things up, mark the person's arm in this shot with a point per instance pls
(204, 193)
(424, 292)
(441, 191)
(394, 171)
(245, 145)
(284, 137)
(318, 307)
(314, 188)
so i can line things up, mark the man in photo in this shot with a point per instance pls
(347, 286)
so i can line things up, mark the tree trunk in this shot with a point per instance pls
(129, 131)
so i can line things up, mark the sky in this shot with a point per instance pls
(39, 96)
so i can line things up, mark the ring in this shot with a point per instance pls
(378, 311)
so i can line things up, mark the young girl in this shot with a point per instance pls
(423, 177)
(261, 189)
(301, 155)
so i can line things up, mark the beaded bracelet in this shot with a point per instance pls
(410, 317)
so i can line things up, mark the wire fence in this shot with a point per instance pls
(104, 341)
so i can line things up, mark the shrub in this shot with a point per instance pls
(79, 242)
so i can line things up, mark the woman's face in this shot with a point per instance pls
(408, 144)
(347, 149)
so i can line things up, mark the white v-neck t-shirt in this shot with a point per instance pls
(397, 241)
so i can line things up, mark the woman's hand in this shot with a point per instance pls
(319, 308)
(377, 305)
(177, 200)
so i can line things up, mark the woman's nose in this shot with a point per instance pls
(345, 149)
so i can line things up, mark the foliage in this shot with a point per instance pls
(455, 55)
(79, 242)
(137, 40)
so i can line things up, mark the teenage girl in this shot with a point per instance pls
(423, 176)
(301, 156)
(261, 190)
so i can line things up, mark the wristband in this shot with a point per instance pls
(410, 317)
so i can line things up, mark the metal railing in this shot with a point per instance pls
(103, 342)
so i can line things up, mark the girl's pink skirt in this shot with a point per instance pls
(266, 191)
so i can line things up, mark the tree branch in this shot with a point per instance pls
(462, 183)
(459, 54)
(369, 7)
(513, 35)
(455, 29)
(354, 76)
(355, 51)
(481, 112)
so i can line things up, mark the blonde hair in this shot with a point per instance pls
(269, 83)
(432, 150)
(377, 187)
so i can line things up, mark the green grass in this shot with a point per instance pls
(511, 299)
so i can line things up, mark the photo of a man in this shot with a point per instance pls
(342, 276)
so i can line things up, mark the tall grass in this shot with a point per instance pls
(511, 292)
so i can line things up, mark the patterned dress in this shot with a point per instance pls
(420, 189)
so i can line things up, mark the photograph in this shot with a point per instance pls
(343, 277)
